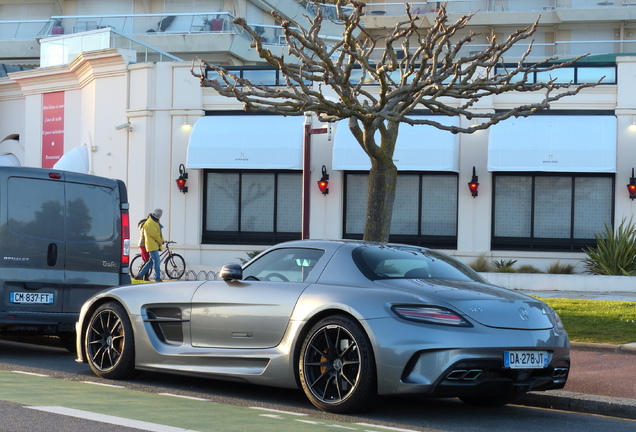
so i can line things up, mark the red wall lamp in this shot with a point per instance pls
(631, 186)
(473, 184)
(182, 180)
(323, 183)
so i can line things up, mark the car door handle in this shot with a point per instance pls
(51, 255)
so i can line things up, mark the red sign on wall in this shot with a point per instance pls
(52, 128)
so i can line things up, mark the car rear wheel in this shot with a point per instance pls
(337, 366)
(109, 342)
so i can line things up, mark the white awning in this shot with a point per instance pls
(75, 160)
(568, 143)
(246, 142)
(418, 148)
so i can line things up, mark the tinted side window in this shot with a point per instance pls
(288, 265)
(36, 208)
(91, 212)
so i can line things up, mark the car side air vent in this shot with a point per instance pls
(167, 323)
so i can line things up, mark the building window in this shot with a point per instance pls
(424, 212)
(252, 207)
(547, 211)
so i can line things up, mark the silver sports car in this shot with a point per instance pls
(345, 320)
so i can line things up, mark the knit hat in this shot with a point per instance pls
(157, 213)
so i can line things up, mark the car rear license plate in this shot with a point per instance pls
(526, 359)
(31, 298)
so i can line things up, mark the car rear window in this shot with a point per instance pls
(393, 262)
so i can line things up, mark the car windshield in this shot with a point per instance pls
(395, 262)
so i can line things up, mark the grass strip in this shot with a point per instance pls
(597, 321)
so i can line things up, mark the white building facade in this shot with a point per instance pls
(546, 183)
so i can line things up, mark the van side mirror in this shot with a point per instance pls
(231, 272)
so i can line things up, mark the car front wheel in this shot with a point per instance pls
(109, 342)
(337, 366)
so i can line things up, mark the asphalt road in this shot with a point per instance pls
(230, 406)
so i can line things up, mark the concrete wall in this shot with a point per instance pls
(563, 282)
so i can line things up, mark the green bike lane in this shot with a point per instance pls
(159, 412)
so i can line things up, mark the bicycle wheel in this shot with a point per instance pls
(136, 265)
(175, 266)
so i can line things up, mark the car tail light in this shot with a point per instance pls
(430, 315)
(125, 238)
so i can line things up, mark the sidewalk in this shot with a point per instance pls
(603, 375)
(609, 390)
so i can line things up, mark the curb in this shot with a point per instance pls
(581, 403)
(628, 348)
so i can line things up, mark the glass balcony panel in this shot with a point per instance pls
(261, 76)
(564, 75)
(593, 74)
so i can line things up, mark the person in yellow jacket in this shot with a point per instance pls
(154, 240)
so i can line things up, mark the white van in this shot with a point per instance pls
(63, 237)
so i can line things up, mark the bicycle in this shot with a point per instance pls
(174, 264)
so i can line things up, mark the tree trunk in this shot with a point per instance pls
(382, 182)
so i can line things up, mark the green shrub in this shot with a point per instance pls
(504, 266)
(559, 268)
(481, 264)
(527, 268)
(615, 251)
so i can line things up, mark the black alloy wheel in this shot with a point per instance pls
(337, 366)
(109, 342)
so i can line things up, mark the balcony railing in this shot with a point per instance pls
(156, 24)
(150, 25)
(489, 6)
(576, 74)
(221, 22)
(20, 30)
(140, 24)
(62, 50)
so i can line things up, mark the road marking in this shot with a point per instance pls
(386, 427)
(278, 411)
(185, 397)
(319, 423)
(32, 374)
(102, 418)
(272, 416)
(104, 384)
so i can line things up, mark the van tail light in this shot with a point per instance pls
(125, 238)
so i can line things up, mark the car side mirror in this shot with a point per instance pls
(231, 272)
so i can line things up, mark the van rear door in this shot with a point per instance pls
(32, 242)
(93, 237)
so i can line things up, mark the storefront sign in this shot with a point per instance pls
(52, 128)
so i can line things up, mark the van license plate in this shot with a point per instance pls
(526, 359)
(31, 298)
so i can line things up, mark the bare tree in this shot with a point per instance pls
(431, 73)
